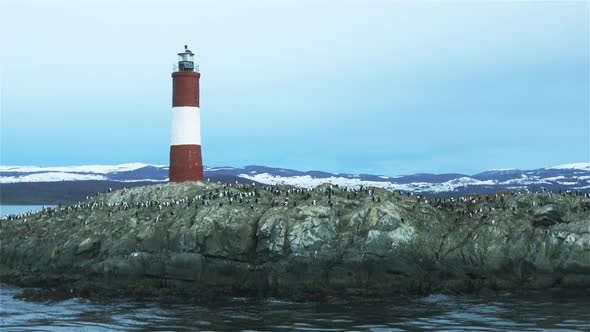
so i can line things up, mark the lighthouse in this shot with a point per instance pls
(186, 162)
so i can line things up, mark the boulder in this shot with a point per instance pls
(547, 215)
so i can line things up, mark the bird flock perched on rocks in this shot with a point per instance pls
(252, 196)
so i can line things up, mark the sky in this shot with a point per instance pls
(380, 87)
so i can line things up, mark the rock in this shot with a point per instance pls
(184, 266)
(271, 236)
(190, 238)
(89, 246)
(547, 215)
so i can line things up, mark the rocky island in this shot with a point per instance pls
(203, 239)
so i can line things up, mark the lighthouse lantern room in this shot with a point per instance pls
(186, 60)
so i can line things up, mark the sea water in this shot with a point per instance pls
(6, 210)
(547, 310)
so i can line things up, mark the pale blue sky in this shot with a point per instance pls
(387, 87)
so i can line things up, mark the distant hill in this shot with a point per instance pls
(50, 185)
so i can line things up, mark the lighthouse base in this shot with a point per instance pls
(186, 163)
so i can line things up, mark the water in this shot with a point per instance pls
(18, 209)
(550, 310)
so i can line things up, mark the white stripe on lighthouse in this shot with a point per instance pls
(186, 125)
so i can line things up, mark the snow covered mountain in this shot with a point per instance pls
(562, 177)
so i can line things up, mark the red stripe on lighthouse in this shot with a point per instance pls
(185, 88)
(186, 162)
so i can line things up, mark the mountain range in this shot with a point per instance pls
(49, 185)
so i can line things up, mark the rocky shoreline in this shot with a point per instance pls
(204, 240)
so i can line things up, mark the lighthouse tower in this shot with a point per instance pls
(186, 162)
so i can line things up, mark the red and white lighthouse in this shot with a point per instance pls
(186, 162)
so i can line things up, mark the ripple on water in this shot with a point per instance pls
(548, 310)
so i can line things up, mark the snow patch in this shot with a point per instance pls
(306, 181)
(221, 169)
(96, 169)
(581, 166)
(525, 181)
(51, 177)
(554, 178)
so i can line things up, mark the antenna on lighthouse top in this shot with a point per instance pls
(185, 47)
